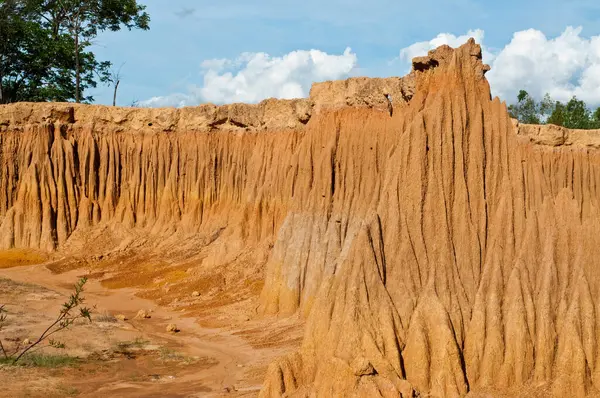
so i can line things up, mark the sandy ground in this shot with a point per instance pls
(135, 357)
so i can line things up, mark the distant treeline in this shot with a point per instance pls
(574, 114)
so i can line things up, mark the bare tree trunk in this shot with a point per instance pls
(115, 93)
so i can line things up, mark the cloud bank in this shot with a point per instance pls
(253, 77)
(563, 66)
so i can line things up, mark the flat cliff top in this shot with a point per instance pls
(384, 94)
(268, 114)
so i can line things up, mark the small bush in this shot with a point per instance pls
(71, 312)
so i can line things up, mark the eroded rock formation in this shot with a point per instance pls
(439, 250)
(451, 250)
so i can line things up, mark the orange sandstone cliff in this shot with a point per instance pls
(437, 248)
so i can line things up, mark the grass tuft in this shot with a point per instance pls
(49, 361)
(137, 343)
(106, 317)
(130, 348)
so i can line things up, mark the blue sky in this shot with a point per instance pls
(167, 60)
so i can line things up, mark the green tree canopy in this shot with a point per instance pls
(577, 115)
(596, 117)
(45, 46)
(574, 114)
(527, 110)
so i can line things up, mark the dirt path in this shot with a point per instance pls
(231, 353)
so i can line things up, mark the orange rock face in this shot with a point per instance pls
(438, 249)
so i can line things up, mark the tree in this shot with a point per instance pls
(546, 107)
(574, 115)
(526, 110)
(20, 47)
(558, 115)
(596, 118)
(44, 46)
(83, 19)
(11, 21)
(577, 115)
(33, 65)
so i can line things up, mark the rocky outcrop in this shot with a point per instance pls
(443, 250)
(438, 249)
(373, 93)
(552, 135)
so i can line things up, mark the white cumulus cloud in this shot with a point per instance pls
(422, 47)
(253, 77)
(563, 66)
